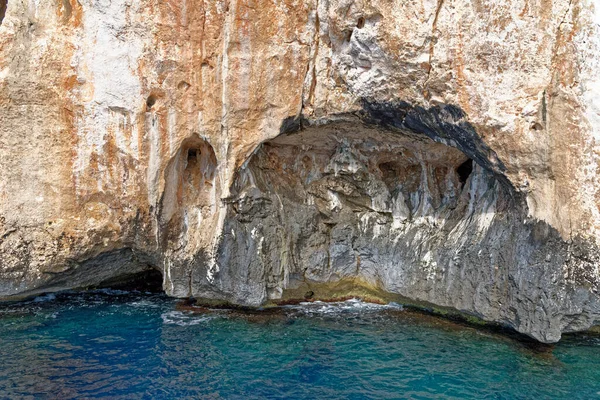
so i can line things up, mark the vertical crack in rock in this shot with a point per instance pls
(313, 83)
(438, 8)
(311, 68)
(564, 17)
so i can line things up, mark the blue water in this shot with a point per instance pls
(108, 344)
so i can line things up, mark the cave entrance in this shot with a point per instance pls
(148, 280)
(343, 168)
(351, 200)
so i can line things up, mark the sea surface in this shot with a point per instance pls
(123, 345)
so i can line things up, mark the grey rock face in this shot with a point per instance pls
(407, 200)
(404, 213)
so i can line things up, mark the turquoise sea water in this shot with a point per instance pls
(108, 344)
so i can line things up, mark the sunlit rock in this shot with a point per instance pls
(445, 151)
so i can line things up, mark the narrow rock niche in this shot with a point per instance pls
(189, 198)
(3, 6)
(360, 23)
(348, 200)
(463, 171)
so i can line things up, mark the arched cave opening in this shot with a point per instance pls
(190, 193)
(351, 200)
(188, 214)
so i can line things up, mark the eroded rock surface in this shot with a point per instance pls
(445, 151)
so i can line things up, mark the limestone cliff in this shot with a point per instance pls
(443, 150)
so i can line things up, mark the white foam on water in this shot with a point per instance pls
(143, 304)
(110, 291)
(349, 306)
(45, 298)
(184, 319)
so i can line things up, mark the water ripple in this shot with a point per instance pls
(119, 345)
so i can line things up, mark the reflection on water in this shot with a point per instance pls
(115, 344)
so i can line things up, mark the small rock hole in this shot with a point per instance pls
(183, 85)
(192, 155)
(347, 36)
(3, 5)
(360, 23)
(464, 170)
(536, 126)
(150, 102)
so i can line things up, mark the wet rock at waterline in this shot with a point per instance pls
(445, 152)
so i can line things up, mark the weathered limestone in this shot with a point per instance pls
(446, 151)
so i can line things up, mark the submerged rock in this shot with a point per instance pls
(442, 151)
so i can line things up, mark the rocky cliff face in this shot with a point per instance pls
(446, 151)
